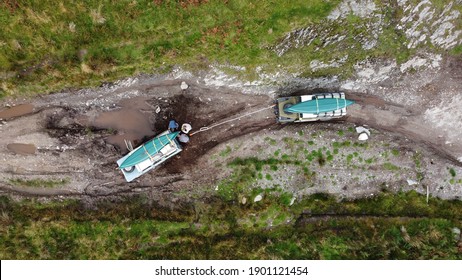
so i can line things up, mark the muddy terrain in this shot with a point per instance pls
(73, 139)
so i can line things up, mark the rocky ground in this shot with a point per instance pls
(66, 144)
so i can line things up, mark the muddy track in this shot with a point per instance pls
(81, 136)
(399, 120)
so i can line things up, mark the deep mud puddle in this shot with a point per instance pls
(22, 149)
(132, 121)
(16, 111)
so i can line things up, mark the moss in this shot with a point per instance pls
(319, 226)
(226, 152)
(390, 166)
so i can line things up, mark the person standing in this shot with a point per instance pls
(172, 126)
(184, 137)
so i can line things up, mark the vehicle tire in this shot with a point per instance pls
(129, 169)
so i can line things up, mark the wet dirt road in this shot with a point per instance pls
(78, 136)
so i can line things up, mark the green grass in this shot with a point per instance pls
(38, 183)
(452, 172)
(457, 50)
(226, 152)
(246, 172)
(277, 152)
(349, 158)
(49, 45)
(315, 227)
(271, 141)
(390, 166)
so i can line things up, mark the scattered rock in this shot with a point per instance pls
(362, 8)
(71, 27)
(412, 182)
(258, 198)
(292, 201)
(82, 54)
(456, 232)
(361, 129)
(244, 200)
(184, 86)
(405, 234)
(363, 136)
(157, 110)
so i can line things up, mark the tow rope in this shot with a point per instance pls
(205, 128)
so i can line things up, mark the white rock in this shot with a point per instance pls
(292, 201)
(363, 136)
(184, 86)
(258, 198)
(412, 182)
(157, 110)
(244, 200)
(361, 129)
(456, 230)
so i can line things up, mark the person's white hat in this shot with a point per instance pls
(186, 127)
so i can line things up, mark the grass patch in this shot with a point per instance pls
(271, 141)
(349, 158)
(387, 226)
(452, 172)
(370, 160)
(457, 50)
(245, 173)
(226, 152)
(277, 152)
(49, 45)
(292, 143)
(390, 166)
